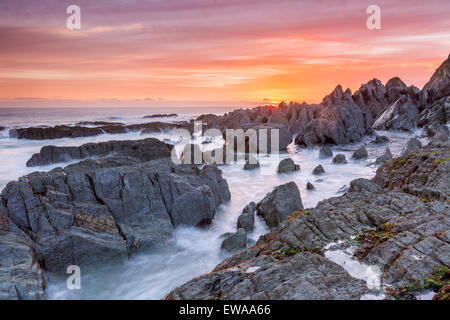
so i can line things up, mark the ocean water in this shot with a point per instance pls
(152, 275)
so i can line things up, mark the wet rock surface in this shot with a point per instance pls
(279, 204)
(246, 220)
(360, 154)
(340, 159)
(90, 129)
(319, 170)
(235, 241)
(405, 235)
(251, 164)
(143, 150)
(21, 277)
(287, 165)
(97, 211)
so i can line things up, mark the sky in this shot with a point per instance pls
(211, 52)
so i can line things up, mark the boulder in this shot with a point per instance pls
(387, 155)
(413, 145)
(246, 220)
(287, 165)
(319, 170)
(251, 164)
(359, 154)
(325, 152)
(279, 204)
(339, 158)
(380, 140)
(310, 186)
(235, 241)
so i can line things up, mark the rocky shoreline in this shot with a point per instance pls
(124, 197)
(399, 222)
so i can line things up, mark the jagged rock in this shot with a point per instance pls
(401, 115)
(405, 236)
(435, 114)
(310, 186)
(246, 220)
(381, 140)
(144, 150)
(287, 165)
(361, 153)
(235, 241)
(2, 128)
(279, 204)
(325, 152)
(21, 277)
(439, 84)
(387, 155)
(251, 163)
(319, 170)
(371, 98)
(361, 185)
(423, 173)
(97, 210)
(413, 145)
(442, 134)
(339, 121)
(304, 276)
(339, 158)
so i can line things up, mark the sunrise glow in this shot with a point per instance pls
(187, 52)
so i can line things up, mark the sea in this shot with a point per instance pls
(196, 251)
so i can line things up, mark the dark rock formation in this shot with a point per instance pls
(413, 145)
(387, 155)
(325, 152)
(359, 154)
(287, 165)
(304, 276)
(410, 241)
(380, 140)
(310, 186)
(423, 173)
(160, 115)
(21, 277)
(235, 241)
(319, 170)
(83, 130)
(436, 114)
(340, 159)
(246, 220)
(401, 115)
(96, 211)
(279, 204)
(143, 150)
(252, 163)
(439, 84)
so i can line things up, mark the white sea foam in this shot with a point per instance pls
(196, 250)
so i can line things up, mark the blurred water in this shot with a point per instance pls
(196, 250)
